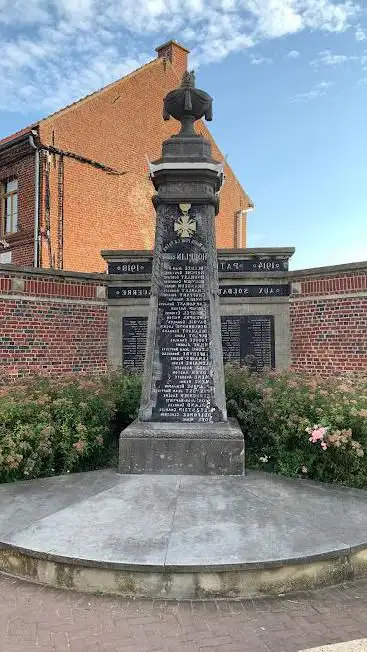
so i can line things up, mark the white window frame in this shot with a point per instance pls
(9, 220)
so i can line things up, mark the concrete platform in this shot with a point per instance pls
(182, 536)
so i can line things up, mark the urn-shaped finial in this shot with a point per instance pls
(187, 104)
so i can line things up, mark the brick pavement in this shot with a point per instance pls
(38, 619)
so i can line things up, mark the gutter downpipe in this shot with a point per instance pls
(36, 199)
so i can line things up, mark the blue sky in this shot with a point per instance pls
(289, 82)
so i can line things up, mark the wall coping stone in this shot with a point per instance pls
(345, 268)
(6, 268)
(109, 254)
(41, 271)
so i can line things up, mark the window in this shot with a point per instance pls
(5, 257)
(9, 206)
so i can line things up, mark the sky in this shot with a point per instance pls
(289, 82)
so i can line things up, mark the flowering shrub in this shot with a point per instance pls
(302, 426)
(297, 425)
(60, 425)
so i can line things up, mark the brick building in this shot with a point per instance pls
(77, 181)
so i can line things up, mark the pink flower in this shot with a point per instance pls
(79, 445)
(318, 434)
(99, 440)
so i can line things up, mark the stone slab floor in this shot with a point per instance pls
(38, 619)
(181, 520)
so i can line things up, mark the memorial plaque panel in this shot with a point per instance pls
(130, 267)
(239, 291)
(233, 291)
(134, 338)
(242, 336)
(231, 339)
(127, 292)
(270, 264)
(185, 389)
(249, 340)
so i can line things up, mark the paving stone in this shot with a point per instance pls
(35, 619)
(350, 646)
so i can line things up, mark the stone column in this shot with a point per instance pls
(182, 425)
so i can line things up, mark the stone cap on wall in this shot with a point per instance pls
(345, 268)
(284, 252)
(232, 263)
(8, 269)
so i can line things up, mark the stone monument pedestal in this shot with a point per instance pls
(182, 426)
(182, 448)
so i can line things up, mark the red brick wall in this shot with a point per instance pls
(120, 127)
(329, 319)
(51, 323)
(19, 161)
(56, 322)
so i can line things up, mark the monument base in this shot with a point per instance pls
(182, 448)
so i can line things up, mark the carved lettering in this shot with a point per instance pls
(272, 264)
(249, 340)
(242, 337)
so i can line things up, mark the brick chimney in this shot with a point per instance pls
(175, 53)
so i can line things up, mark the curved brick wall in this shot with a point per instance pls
(52, 322)
(329, 319)
(56, 322)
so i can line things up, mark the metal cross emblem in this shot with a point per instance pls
(185, 225)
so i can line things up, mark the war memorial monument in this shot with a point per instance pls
(180, 520)
(182, 425)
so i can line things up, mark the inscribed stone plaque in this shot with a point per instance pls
(241, 336)
(249, 340)
(233, 291)
(184, 391)
(134, 337)
(130, 267)
(270, 264)
(127, 292)
(238, 291)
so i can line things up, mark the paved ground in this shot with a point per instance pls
(38, 619)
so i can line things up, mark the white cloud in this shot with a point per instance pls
(316, 91)
(293, 54)
(57, 50)
(325, 84)
(257, 60)
(329, 16)
(275, 18)
(327, 58)
(360, 33)
(77, 10)
(21, 12)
